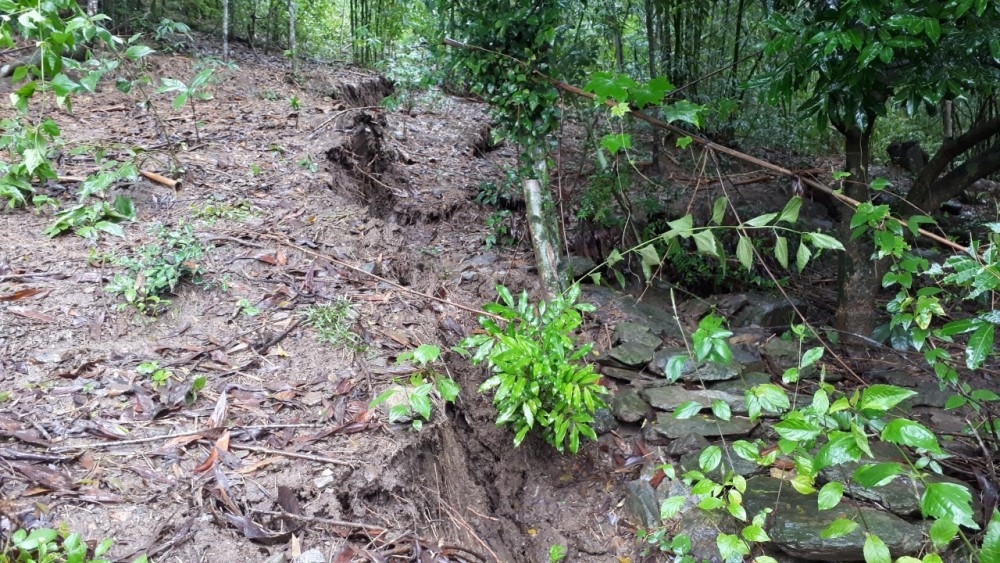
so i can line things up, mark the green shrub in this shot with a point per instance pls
(537, 376)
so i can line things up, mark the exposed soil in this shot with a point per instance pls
(283, 426)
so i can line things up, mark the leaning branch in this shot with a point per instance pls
(853, 203)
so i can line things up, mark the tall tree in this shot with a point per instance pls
(505, 42)
(854, 57)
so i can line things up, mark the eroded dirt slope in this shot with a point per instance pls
(339, 200)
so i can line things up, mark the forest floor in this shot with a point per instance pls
(280, 201)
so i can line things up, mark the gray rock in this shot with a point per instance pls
(702, 425)
(632, 332)
(669, 397)
(767, 311)
(796, 524)
(740, 385)
(747, 356)
(604, 421)
(627, 374)
(701, 527)
(576, 267)
(686, 444)
(696, 373)
(400, 396)
(900, 496)
(613, 304)
(633, 354)
(641, 504)
(783, 354)
(629, 406)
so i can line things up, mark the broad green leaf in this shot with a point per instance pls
(790, 213)
(731, 547)
(705, 242)
(797, 430)
(760, 220)
(746, 450)
(811, 356)
(990, 551)
(948, 501)
(883, 397)
(781, 251)
(447, 388)
(802, 256)
(137, 52)
(943, 531)
(670, 507)
(721, 410)
(744, 252)
(687, 410)
(876, 475)
(841, 448)
(910, 433)
(614, 257)
(755, 533)
(426, 354)
(829, 496)
(421, 404)
(710, 458)
(980, 346)
(649, 259)
(838, 529)
(819, 240)
(719, 210)
(875, 550)
(685, 111)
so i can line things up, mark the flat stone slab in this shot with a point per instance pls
(637, 333)
(701, 425)
(634, 354)
(692, 372)
(796, 524)
(627, 374)
(668, 398)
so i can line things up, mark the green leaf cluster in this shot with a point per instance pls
(157, 269)
(45, 545)
(538, 379)
(426, 381)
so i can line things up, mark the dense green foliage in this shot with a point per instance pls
(539, 378)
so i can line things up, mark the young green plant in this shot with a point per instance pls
(425, 382)
(538, 377)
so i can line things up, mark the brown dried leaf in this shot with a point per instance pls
(209, 462)
(255, 532)
(22, 294)
(33, 315)
(47, 477)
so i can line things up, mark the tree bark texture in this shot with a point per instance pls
(931, 189)
(544, 235)
(857, 280)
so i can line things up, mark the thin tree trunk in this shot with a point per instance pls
(225, 30)
(651, 49)
(857, 280)
(92, 8)
(544, 236)
(291, 37)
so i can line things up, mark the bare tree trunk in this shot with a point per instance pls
(291, 37)
(544, 235)
(92, 8)
(225, 30)
(651, 48)
(857, 279)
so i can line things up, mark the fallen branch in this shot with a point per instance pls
(660, 124)
(168, 182)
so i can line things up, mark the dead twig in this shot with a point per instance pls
(295, 455)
